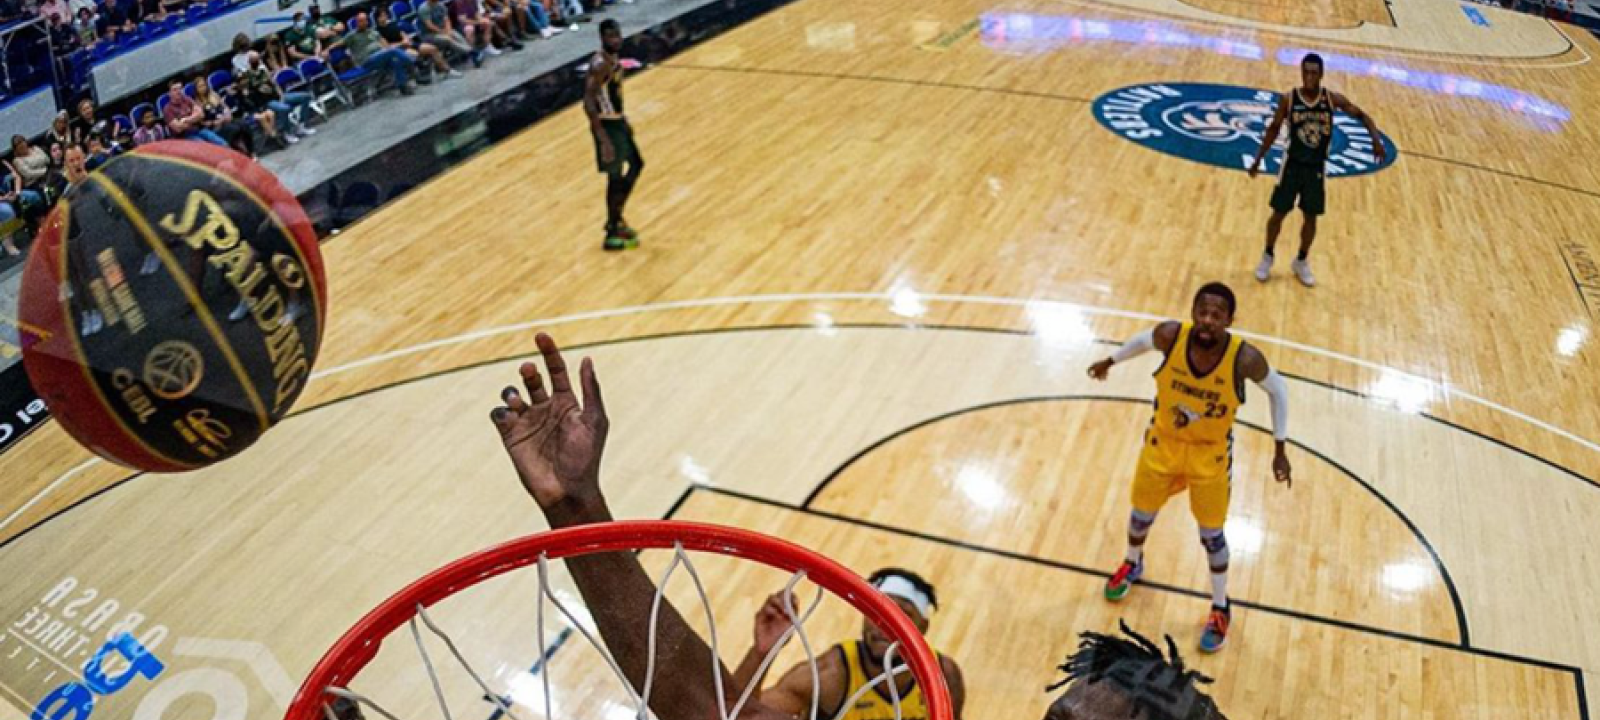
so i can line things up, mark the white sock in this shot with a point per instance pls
(1136, 554)
(1219, 589)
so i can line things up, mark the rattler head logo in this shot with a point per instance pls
(1220, 121)
(1182, 416)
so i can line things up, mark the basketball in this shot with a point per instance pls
(177, 300)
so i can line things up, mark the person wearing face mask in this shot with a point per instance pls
(274, 109)
(300, 40)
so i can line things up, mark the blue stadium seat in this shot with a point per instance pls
(123, 123)
(322, 83)
(353, 77)
(289, 80)
(219, 80)
(401, 10)
(162, 103)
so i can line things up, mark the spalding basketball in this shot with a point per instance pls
(178, 300)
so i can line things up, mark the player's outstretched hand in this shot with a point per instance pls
(1281, 470)
(772, 621)
(555, 443)
(1099, 370)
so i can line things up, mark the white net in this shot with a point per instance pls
(512, 699)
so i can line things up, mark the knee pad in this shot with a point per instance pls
(1216, 545)
(1140, 522)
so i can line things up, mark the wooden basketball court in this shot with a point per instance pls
(882, 242)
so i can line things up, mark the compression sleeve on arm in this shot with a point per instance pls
(1278, 393)
(1137, 345)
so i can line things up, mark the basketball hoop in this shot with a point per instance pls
(358, 647)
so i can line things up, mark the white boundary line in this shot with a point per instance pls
(58, 482)
(1444, 388)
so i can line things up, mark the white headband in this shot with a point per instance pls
(896, 586)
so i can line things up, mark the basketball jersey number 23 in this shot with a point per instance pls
(1195, 408)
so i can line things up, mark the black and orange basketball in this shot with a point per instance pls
(179, 300)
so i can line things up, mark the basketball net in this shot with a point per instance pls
(640, 700)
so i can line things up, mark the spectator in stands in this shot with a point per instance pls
(75, 168)
(149, 130)
(63, 36)
(301, 41)
(87, 122)
(240, 63)
(95, 152)
(219, 119)
(567, 12)
(480, 30)
(87, 27)
(368, 50)
(152, 11)
(393, 36)
(327, 27)
(15, 201)
(274, 55)
(32, 163)
(272, 106)
(58, 154)
(439, 30)
(538, 16)
(60, 132)
(55, 9)
(185, 119)
(112, 21)
(513, 25)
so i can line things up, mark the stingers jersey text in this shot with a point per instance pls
(1195, 408)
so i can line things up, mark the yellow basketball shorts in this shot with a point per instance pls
(1168, 467)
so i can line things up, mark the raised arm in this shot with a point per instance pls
(1281, 114)
(1160, 337)
(555, 444)
(1253, 365)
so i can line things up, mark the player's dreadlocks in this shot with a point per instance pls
(1158, 686)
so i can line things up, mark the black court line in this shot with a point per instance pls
(763, 328)
(1462, 629)
(1577, 286)
(1583, 695)
(1076, 99)
(1503, 173)
(1044, 562)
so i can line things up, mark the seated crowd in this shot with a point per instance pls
(252, 109)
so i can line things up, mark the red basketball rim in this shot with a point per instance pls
(360, 645)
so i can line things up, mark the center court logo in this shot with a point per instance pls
(1222, 125)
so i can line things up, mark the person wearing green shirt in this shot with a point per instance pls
(369, 50)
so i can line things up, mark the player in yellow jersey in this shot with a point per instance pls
(1189, 444)
(846, 669)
